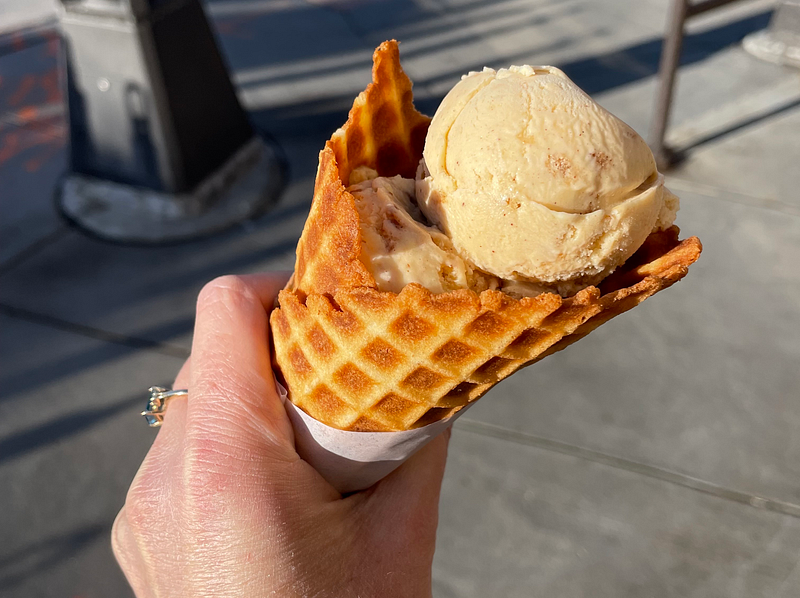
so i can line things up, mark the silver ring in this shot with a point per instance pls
(157, 404)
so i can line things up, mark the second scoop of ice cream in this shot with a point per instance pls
(532, 180)
(398, 248)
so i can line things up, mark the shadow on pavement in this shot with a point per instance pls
(31, 560)
(738, 126)
(629, 65)
(109, 348)
(62, 427)
(594, 74)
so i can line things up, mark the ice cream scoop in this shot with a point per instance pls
(398, 248)
(534, 181)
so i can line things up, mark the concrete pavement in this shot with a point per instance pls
(17, 14)
(658, 457)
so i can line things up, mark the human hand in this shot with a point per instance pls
(224, 506)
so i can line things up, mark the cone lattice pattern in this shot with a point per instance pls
(359, 359)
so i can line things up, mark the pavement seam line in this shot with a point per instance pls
(30, 250)
(91, 332)
(664, 475)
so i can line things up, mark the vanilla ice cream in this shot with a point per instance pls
(532, 181)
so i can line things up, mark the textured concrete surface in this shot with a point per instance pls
(70, 443)
(521, 521)
(658, 457)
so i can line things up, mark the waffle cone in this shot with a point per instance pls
(359, 359)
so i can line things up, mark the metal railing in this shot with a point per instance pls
(680, 12)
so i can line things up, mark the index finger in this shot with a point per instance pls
(232, 394)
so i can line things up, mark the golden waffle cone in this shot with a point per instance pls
(359, 359)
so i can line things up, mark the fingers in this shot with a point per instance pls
(211, 456)
(182, 379)
(266, 287)
(152, 507)
(407, 503)
(150, 490)
(232, 393)
(411, 491)
(420, 476)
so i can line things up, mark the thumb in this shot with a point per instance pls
(414, 487)
(233, 402)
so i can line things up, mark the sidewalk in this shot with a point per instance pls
(19, 14)
(658, 457)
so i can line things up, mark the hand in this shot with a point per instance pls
(223, 505)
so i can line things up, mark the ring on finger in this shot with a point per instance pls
(158, 402)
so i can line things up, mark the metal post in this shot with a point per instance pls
(160, 148)
(670, 60)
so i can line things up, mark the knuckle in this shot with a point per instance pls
(117, 533)
(144, 504)
(138, 512)
(123, 544)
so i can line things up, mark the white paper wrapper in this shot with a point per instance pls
(352, 461)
